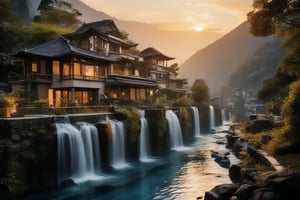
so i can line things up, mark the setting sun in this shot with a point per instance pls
(198, 28)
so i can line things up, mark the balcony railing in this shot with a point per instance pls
(82, 77)
(30, 77)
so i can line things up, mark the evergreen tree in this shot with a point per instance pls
(200, 91)
(58, 13)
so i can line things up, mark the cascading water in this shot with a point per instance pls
(196, 122)
(223, 116)
(174, 130)
(78, 151)
(229, 117)
(144, 139)
(211, 117)
(118, 150)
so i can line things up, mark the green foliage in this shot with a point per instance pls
(267, 15)
(200, 91)
(185, 120)
(58, 13)
(161, 101)
(174, 68)
(133, 125)
(261, 23)
(39, 33)
(290, 63)
(9, 65)
(10, 27)
(183, 101)
(59, 18)
(290, 111)
(5, 11)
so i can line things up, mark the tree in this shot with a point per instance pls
(200, 91)
(174, 68)
(268, 14)
(5, 11)
(282, 17)
(58, 13)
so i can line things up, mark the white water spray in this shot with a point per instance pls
(144, 139)
(118, 149)
(174, 130)
(211, 117)
(78, 151)
(196, 122)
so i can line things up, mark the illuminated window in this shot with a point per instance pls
(96, 73)
(132, 93)
(55, 67)
(85, 97)
(50, 97)
(66, 69)
(89, 70)
(77, 71)
(57, 98)
(34, 67)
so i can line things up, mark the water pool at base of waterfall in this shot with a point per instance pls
(180, 175)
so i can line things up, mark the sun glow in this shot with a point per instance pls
(198, 28)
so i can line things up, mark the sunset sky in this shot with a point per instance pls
(218, 15)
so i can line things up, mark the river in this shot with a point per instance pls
(184, 174)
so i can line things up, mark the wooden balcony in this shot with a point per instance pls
(30, 77)
(83, 77)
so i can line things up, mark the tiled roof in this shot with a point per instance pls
(151, 52)
(103, 28)
(60, 47)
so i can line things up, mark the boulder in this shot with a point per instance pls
(264, 193)
(67, 182)
(221, 192)
(245, 191)
(235, 173)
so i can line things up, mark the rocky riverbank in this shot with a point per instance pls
(269, 182)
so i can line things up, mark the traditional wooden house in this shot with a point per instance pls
(165, 75)
(78, 68)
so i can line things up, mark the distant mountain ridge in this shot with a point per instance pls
(218, 61)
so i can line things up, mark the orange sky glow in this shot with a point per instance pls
(217, 15)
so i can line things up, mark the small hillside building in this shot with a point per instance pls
(165, 75)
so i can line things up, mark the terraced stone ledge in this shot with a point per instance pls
(262, 156)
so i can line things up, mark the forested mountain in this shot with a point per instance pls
(251, 74)
(217, 62)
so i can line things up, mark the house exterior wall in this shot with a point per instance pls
(79, 84)
(42, 91)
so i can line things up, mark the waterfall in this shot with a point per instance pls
(196, 122)
(211, 117)
(174, 130)
(223, 116)
(78, 151)
(118, 149)
(229, 117)
(144, 139)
